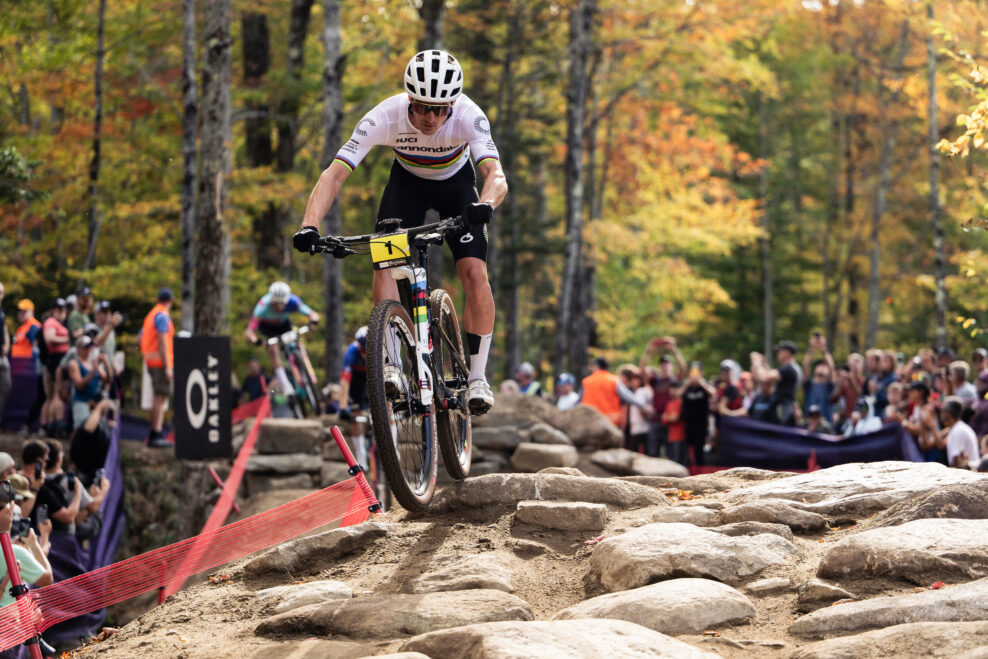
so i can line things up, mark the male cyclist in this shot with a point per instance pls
(433, 129)
(353, 391)
(272, 317)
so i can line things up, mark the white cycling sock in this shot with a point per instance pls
(479, 346)
(286, 386)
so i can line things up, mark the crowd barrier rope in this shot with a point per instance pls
(350, 502)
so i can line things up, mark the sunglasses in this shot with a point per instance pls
(425, 108)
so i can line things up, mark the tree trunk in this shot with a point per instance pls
(212, 242)
(94, 216)
(581, 23)
(23, 106)
(768, 312)
(257, 60)
(432, 12)
(333, 66)
(890, 137)
(288, 108)
(936, 210)
(190, 111)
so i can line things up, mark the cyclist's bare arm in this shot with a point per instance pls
(327, 189)
(495, 183)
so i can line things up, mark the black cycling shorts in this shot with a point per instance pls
(271, 330)
(408, 197)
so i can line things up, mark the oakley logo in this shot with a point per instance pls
(466, 238)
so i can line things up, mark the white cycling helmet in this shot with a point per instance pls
(280, 292)
(361, 336)
(433, 76)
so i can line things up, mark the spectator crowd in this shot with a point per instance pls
(670, 408)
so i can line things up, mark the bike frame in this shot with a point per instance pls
(416, 300)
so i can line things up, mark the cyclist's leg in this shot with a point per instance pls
(274, 352)
(469, 249)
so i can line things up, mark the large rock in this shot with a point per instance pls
(585, 426)
(816, 594)
(774, 512)
(290, 436)
(754, 528)
(534, 457)
(771, 586)
(953, 603)
(467, 572)
(264, 482)
(543, 433)
(964, 501)
(657, 552)
(334, 472)
(563, 515)
(694, 484)
(388, 616)
(287, 598)
(859, 489)
(288, 463)
(309, 553)
(517, 411)
(696, 515)
(624, 462)
(920, 551)
(509, 489)
(678, 606)
(498, 438)
(572, 639)
(565, 471)
(916, 640)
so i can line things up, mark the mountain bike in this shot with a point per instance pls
(306, 396)
(371, 462)
(416, 370)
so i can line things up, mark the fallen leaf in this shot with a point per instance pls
(935, 586)
(180, 637)
(594, 541)
(843, 601)
(710, 632)
(822, 540)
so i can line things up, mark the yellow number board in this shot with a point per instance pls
(389, 250)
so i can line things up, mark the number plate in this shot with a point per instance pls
(389, 250)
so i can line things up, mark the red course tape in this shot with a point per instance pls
(170, 566)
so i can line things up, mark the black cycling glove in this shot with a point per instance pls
(305, 239)
(477, 214)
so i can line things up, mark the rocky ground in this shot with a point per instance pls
(862, 560)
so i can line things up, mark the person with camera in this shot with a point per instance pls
(22, 514)
(31, 559)
(87, 373)
(91, 440)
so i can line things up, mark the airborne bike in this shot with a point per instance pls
(416, 370)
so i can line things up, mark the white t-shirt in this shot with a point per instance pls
(637, 425)
(961, 439)
(436, 157)
(569, 400)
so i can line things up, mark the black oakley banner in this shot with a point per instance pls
(202, 398)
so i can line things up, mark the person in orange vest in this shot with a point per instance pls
(605, 392)
(26, 336)
(157, 335)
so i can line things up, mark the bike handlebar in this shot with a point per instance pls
(342, 246)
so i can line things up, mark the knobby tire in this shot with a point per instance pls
(412, 496)
(453, 427)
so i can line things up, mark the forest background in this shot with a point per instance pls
(728, 173)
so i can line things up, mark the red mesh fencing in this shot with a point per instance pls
(94, 590)
(169, 567)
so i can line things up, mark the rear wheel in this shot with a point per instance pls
(403, 430)
(452, 413)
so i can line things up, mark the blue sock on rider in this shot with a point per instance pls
(479, 346)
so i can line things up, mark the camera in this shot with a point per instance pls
(42, 514)
(98, 478)
(20, 527)
(6, 493)
(70, 481)
(39, 469)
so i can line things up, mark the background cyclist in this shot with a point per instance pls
(353, 391)
(433, 129)
(272, 317)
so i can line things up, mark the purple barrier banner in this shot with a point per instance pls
(24, 377)
(747, 443)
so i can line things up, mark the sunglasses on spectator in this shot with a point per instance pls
(425, 108)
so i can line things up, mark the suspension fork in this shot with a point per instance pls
(414, 285)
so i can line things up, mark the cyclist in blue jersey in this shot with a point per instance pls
(353, 391)
(433, 129)
(272, 317)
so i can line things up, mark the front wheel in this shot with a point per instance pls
(452, 413)
(403, 429)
